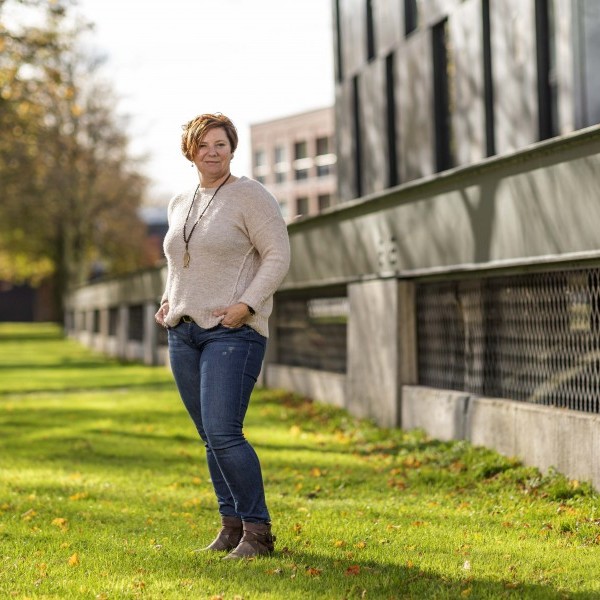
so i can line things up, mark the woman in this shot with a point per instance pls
(227, 251)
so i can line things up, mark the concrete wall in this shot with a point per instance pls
(533, 204)
(541, 436)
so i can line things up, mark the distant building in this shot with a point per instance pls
(155, 218)
(294, 157)
(426, 85)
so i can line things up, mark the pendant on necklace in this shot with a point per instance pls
(186, 259)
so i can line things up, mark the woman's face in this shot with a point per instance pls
(214, 154)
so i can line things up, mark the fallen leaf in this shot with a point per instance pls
(466, 592)
(397, 484)
(61, 523)
(352, 570)
(73, 560)
(297, 528)
(313, 572)
(79, 496)
(339, 543)
(360, 545)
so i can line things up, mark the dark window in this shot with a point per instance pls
(411, 16)
(300, 150)
(301, 174)
(546, 70)
(488, 81)
(323, 145)
(391, 121)
(441, 93)
(324, 201)
(96, 321)
(324, 170)
(280, 177)
(370, 31)
(261, 179)
(357, 137)
(302, 206)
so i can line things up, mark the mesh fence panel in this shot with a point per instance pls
(311, 332)
(533, 338)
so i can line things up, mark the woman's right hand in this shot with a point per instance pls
(161, 313)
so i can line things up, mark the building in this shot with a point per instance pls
(294, 158)
(426, 85)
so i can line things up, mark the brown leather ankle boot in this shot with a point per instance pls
(229, 536)
(256, 541)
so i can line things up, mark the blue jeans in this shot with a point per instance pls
(215, 371)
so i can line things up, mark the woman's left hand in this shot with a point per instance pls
(233, 316)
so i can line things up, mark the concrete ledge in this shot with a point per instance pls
(540, 436)
(322, 386)
(492, 423)
(441, 413)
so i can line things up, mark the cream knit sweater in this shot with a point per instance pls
(239, 252)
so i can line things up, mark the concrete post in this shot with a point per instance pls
(150, 335)
(271, 353)
(103, 332)
(123, 331)
(381, 348)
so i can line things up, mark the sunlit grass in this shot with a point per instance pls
(104, 494)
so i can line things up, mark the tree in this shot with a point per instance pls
(69, 189)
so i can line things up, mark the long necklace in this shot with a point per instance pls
(187, 238)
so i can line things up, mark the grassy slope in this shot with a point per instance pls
(104, 494)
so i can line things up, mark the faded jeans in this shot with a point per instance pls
(215, 371)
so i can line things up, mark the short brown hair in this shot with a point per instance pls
(195, 130)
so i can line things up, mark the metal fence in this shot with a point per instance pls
(533, 337)
(311, 331)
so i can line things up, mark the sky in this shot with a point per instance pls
(253, 60)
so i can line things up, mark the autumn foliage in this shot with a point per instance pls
(69, 188)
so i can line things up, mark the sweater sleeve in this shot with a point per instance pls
(268, 234)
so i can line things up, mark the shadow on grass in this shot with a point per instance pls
(151, 386)
(386, 579)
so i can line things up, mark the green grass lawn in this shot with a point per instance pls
(104, 494)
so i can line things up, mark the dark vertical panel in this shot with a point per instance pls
(338, 32)
(441, 93)
(411, 16)
(488, 80)
(546, 72)
(356, 121)
(391, 120)
(370, 31)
